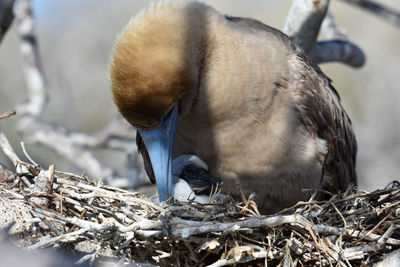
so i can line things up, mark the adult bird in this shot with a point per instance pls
(236, 93)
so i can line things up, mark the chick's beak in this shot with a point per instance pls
(159, 143)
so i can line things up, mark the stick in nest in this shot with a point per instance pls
(8, 114)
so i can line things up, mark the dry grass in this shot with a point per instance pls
(356, 228)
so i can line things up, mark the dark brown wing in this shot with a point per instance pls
(319, 110)
(146, 158)
(322, 114)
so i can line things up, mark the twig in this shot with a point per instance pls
(326, 230)
(91, 226)
(27, 155)
(43, 185)
(294, 219)
(233, 261)
(385, 237)
(34, 75)
(339, 51)
(378, 224)
(305, 19)
(378, 9)
(7, 114)
(341, 216)
(330, 30)
(7, 149)
(68, 237)
(80, 217)
(98, 192)
(303, 22)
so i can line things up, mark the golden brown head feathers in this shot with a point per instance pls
(156, 60)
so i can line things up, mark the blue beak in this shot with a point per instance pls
(159, 143)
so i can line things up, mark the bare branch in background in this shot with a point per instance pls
(7, 149)
(330, 30)
(6, 16)
(32, 66)
(43, 186)
(118, 135)
(309, 18)
(9, 152)
(386, 13)
(8, 114)
(340, 51)
(303, 22)
(72, 146)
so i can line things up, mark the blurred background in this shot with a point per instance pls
(76, 39)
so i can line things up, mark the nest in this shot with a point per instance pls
(73, 212)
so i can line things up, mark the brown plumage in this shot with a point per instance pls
(251, 105)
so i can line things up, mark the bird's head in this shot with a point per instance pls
(156, 61)
(154, 69)
(146, 80)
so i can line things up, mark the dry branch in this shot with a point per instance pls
(8, 114)
(306, 19)
(74, 146)
(330, 30)
(34, 77)
(338, 51)
(7, 148)
(335, 45)
(44, 186)
(378, 9)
